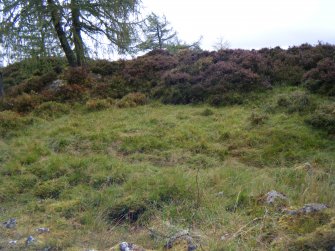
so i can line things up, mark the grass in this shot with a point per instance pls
(96, 178)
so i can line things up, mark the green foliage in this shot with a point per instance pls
(58, 21)
(25, 103)
(98, 104)
(296, 102)
(226, 99)
(49, 189)
(207, 112)
(157, 33)
(11, 122)
(257, 119)
(38, 68)
(132, 100)
(323, 118)
(49, 110)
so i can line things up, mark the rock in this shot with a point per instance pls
(42, 230)
(307, 208)
(56, 84)
(183, 240)
(125, 246)
(273, 196)
(313, 207)
(225, 237)
(30, 240)
(11, 223)
(220, 194)
(12, 242)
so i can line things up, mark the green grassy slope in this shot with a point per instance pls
(98, 178)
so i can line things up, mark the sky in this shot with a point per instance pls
(249, 24)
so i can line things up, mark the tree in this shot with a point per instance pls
(179, 45)
(2, 94)
(221, 44)
(157, 33)
(47, 27)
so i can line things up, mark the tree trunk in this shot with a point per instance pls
(77, 39)
(2, 93)
(159, 37)
(61, 34)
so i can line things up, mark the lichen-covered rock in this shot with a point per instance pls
(274, 196)
(307, 208)
(11, 223)
(126, 246)
(42, 230)
(30, 240)
(181, 241)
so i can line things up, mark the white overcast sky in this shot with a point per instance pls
(249, 24)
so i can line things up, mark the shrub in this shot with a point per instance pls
(105, 67)
(175, 77)
(132, 100)
(226, 99)
(98, 104)
(69, 93)
(76, 75)
(10, 121)
(230, 77)
(287, 74)
(321, 79)
(323, 118)
(25, 102)
(149, 67)
(51, 109)
(35, 84)
(297, 101)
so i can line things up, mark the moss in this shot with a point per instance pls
(303, 223)
(323, 238)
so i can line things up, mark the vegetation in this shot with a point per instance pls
(157, 33)
(139, 150)
(63, 25)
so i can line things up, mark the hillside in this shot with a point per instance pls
(171, 150)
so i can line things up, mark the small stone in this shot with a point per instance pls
(124, 246)
(273, 195)
(42, 230)
(224, 237)
(220, 194)
(30, 240)
(12, 242)
(11, 223)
